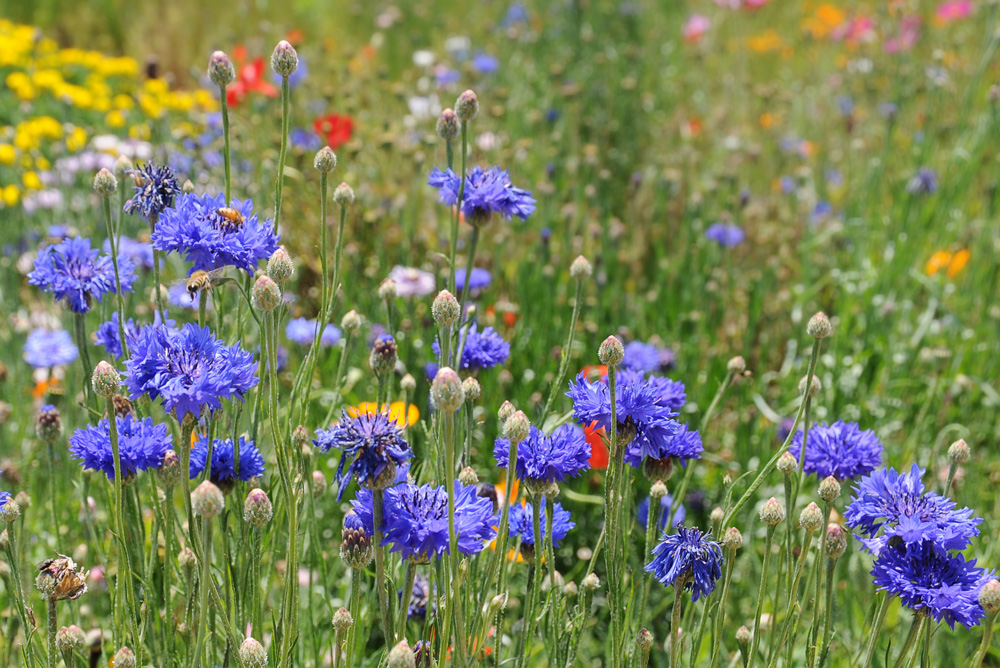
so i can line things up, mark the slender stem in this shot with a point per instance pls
(675, 625)
(53, 653)
(383, 601)
(755, 640)
(158, 293)
(256, 606)
(792, 599)
(404, 608)
(984, 646)
(27, 618)
(721, 612)
(466, 288)
(123, 576)
(352, 635)
(279, 181)
(831, 571)
(530, 612)
(911, 640)
(202, 306)
(454, 603)
(80, 334)
(876, 630)
(113, 242)
(224, 103)
(204, 585)
(652, 521)
(814, 631)
(951, 477)
(457, 213)
(566, 352)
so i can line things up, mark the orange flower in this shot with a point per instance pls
(769, 40)
(598, 450)
(952, 263)
(824, 21)
(595, 372)
(768, 120)
(395, 412)
(42, 387)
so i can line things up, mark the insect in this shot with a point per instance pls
(231, 218)
(201, 280)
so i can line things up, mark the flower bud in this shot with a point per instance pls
(4, 545)
(506, 410)
(989, 597)
(351, 322)
(814, 388)
(445, 309)
(772, 513)
(23, 499)
(447, 394)
(343, 195)
(471, 388)
(448, 125)
(105, 182)
(611, 352)
(257, 510)
(253, 654)
(387, 290)
(169, 472)
(318, 483)
(124, 658)
(733, 539)
(106, 380)
(958, 451)
(383, 356)
(279, 266)
(187, 560)
(829, 489)
(325, 160)
(355, 543)
(570, 590)
(221, 71)
(811, 518)
(70, 639)
(467, 106)
(644, 640)
(468, 477)
(736, 365)
(342, 620)
(580, 269)
(408, 383)
(300, 437)
(401, 656)
(10, 511)
(187, 187)
(517, 427)
(657, 490)
(284, 60)
(48, 424)
(591, 583)
(743, 637)
(716, 516)
(819, 326)
(265, 294)
(207, 500)
(836, 540)
(123, 165)
(787, 464)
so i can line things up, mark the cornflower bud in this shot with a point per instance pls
(829, 489)
(318, 483)
(169, 471)
(300, 437)
(717, 515)
(506, 410)
(772, 513)
(253, 654)
(257, 510)
(383, 356)
(187, 187)
(448, 125)
(265, 294)
(733, 539)
(105, 182)
(836, 540)
(467, 106)
(611, 352)
(280, 266)
(811, 518)
(123, 165)
(221, 71)
(387, 290)
(48, 424)
(468, 477)
(471, 388)
(106, 380)
(959, 452)
(445, 309)
(644, 640)
(187, 560)
(401, 656)
(517, 427)
(325, 160)
(351, 322)
(207, 500)
(342, 620)
(70, 639)
(343, 195)
(408, 383)
(787, 464)
(657, 490)
(743, 637)
(989, 597)
(591, 582)
(580, 269)
(736, 365)
(284, 60)
(814, 388)
(124, 658)
(819, 326)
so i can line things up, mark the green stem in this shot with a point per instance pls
(466, 289)
(755, 640)
(876, 630)
(530, 612)
(814, 631)
(113, 242)
(279, 181)
(911, 640)
(566, 352)
(80, 334)
(831, 571)
(383, 601)
(53, 653)
(157, 292)
(721, 612)
(224, 103)
(352, 635)
(27, 619)
(792, 599)
(675, 625)
(456, 214)
(204, 585)
(984, 646)
(404, 607)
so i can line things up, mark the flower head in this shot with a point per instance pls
(841, 450)
(373, 440)
(641, 357)
(77, 273)
(45, 349)
(483, 349)
(689, 558)
(301, 331)
(726, 235)
(684, 444)
(212, 235)
(897, 506)
(927, 578)
(480, 278)
(487, 191)
(224, 461)
(412, 282)
(924, 182)
(155, 190)
(666, 503)
(522, 522)
(188, 368)
(548, 457)
(420, 597)
(141, 445)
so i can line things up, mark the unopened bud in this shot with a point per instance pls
(716, 516)
(448, 125)
(343, 195)
(257, 510)
(325, 160)
(657, 490)
(836, 540)
(221, 71)
(468, 477)
(106, 380)
(506, 410)
(959, 452)
(124, 658)
(591, 582)
(829, 489)
(48, 424)
(207, 500)
(743, 637)
(467, 106)
(70, 639)
(408, 383)
(644, 640)
(736, 365)
(401, 656)
(733, 539)
(447, 394)
(318, 484)
(772, 513)
(517, 427)
(342, 620)
(253, 654)
(187, 187)
(383, 356)
(814, 387)
(170, 472)
(105, 182)
(580, 269)
(265, 294)
(280, 266)
(351, 322)
(387, 290)
(186, 559)
(811, 518)
(10, 511)
(787, 464)
(471, 388)
(819, 326)
(445, 309)
(989, 597)
(284, 60)
(611, 352)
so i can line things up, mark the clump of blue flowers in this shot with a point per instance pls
(371, 442)
(212, 235)
(547, 457)
(141, 446)
(487, 191)
(77, 274)
(841, 450)
(188, 369)
(688, 558)
(224, 468)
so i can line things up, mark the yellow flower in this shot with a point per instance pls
(395, 412)
(42, 163)
(11, 195)
(823, 21)
(139, 131)
(769, 40)
(31, 181)
(115, 119)
(7, 154)
(76, 140)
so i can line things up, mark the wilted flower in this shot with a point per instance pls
(374, 442)
(155, 190)
(60, 580)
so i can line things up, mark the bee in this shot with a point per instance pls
(201, 280)
(231, 218)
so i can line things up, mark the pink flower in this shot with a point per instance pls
(754, 4)
(909, 31)
(856, 29)
(953, 10)
(696, 26)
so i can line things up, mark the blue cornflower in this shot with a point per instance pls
(672, 393)
(224, 460)
(689, 558)
(373, 441)
(301, 331)
(361, 505)
(927, 578)
(547, 457)
(484, 63)
(140, 253)
(898, 505)
(726, 235)
(155, 190)
(642, 512)
(924, 182)
(304, 140)
(841, 450)
(77, 273)
(516, 13)
(211, 235)
(483, 349)
(45, 349)
(644, 421)
(416, 520)
(480, 279)
(486, 191)
(188, 368)
(5, 498)
(141, 445)
(641, 357)
(522, 523)
(107, 335)
(420, 597)
(683, 445)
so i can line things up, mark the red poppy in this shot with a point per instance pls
(336, 128)
(595, 372)
(598, 451)
(249, 78)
